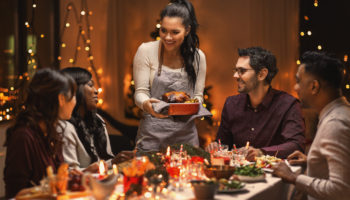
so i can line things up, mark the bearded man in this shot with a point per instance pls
(269, 119)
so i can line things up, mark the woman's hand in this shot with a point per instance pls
(297, 158)
(147, 106)
(123, 156)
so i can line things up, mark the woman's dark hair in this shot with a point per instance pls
(189, 48)
(41, 105)
(324, 67)
(90, 123)
(260, 58)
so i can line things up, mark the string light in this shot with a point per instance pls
(319, 47)
(346, 58)
(42, 35)
(316, 3)
(71, 60)
(309, 32)
(99, 90)
(67, 25)
(87, 48)
(306, 18)
(82, 12)
(63, 45)
(347, 86)
(302, 33)
(30, 51)
(158, 25)
(34, 5)
(298, 62)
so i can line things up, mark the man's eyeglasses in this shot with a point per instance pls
(240, 71)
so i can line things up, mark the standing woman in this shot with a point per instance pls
(172, 64)
(86, 138)
(33, 142)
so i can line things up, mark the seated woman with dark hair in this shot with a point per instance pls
(33, 142)
(86, 139)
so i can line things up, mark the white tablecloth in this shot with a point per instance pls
(272, 189)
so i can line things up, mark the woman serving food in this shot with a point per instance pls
(172, 64)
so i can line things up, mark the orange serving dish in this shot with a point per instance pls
(183, 108)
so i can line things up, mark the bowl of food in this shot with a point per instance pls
(218, 172)
(180, 103)
(204, 189)
(249, 173)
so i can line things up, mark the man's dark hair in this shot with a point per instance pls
(324, 67)
(260, 58)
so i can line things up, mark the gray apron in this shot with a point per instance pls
(155, 133)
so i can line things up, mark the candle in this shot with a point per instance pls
(168, 151)
(247, 145)
(234, 147)
(115, 169)
(101, 170)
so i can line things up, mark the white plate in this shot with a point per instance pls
(250, 179)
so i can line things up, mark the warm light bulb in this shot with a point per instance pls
(298, 62)
(71, 60)
(69, 7)
(63, 45)
(90, 12)
(100, 101)
(59, 58)
(99, 90)
(82, 12)
(158, 25)
(30, 50)
(87, 48)
(82, 32)
(306, 18)
(319, 47)
(204, 105)
(34, 66)
(78, 48)
(91, 28)
(7, 110)
(42, 35)
(8, 117)
(0, 118)
(67, 24)
(346, 58)
(88, 41)
(316, 4)
(26, 23)
(34, 5)
(309, 32)
(132, 82)
(302, 33)
(347, 86)
(91, 58)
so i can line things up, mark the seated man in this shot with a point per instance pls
(269, 119)
(319, 82)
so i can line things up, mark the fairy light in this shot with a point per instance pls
(302, 33)
(99, 90)
(309, 32)
(91, 58)
(59, 58)
(34, 5)
(132, 82)
(100, 101)
(316, 3)
(298, 62)
(347, 86)
(30, 51)
(158, 25)
(71, 60)
(87, 48)
(67, 25)
(319, 47)
(82, 12)
(306, 18)
(90, 12)
(346, 58)
(88, 41)
(42, 35)
(63, 45)
(91, 28)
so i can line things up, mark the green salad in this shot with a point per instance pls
(230, 184)
(249, 170)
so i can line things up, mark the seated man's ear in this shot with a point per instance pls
(263, 74)
(315, 87)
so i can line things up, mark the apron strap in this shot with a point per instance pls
(160, 56)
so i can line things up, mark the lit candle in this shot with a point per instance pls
(220, 145)
(247, 145)
(115, 169)
(102, 170)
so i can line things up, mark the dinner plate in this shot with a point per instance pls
(251, 179)
(234, 190)
(268, 170)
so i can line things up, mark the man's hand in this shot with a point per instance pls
(147, 106)
(252, 153)
(94, 167)
(212, 147)
(282, 170)
(123, 156)
(297, 158)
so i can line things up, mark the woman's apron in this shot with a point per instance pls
(155, 133)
